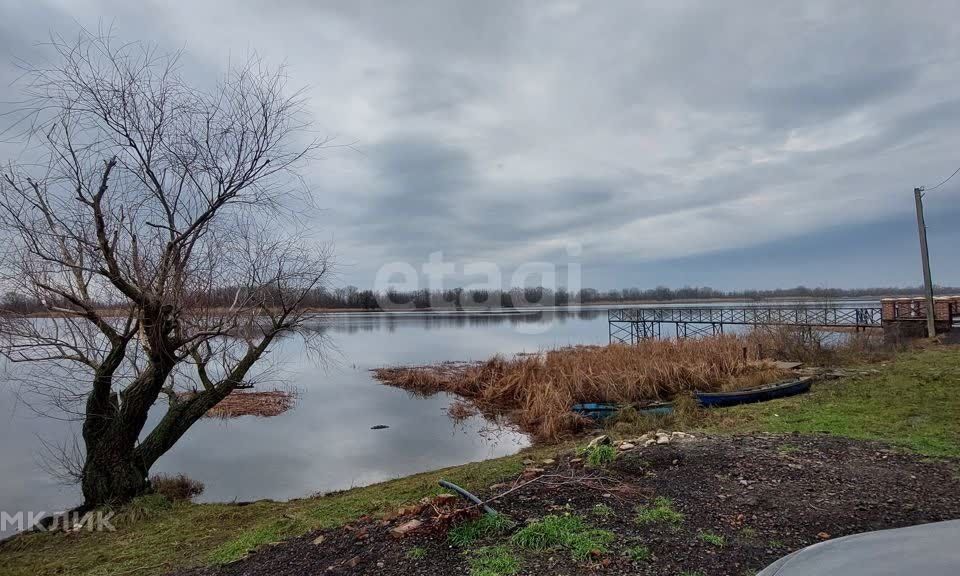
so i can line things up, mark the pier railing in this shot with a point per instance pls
(629, 325)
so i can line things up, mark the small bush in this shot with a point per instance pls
(493, 561)
(177, 488)
(568, 532)
(712, 539)
(472, 530)
(661, 512)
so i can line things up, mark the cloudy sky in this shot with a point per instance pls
(730, 144)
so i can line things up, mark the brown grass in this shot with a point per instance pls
(539, 390)
(179, 488)
(264, 404)
(818, 347)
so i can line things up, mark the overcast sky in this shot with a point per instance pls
(729, 144)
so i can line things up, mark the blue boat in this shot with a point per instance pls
(603, 410)
(596, 410)
(758, 394)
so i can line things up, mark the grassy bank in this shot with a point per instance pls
(154, 536)
(911, 401)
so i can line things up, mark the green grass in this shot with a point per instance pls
(601, 455)
(602, 511)
(639, 553)
(568, 532)
(712, 539)
(468, 532)
(911, 402)
(492, 561)
(166, 538)
(417, 553)
(660, 511)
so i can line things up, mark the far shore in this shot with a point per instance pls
(599, 304)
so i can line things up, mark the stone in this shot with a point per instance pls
(406, 528)
(650, 442)
(444, 500)
(529, 473)
(409, 510)
(627, 446)
(528, 462)
(319, 540)
(548, 462)
(599, 440)
(663, 438)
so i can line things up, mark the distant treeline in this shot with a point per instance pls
(354, 298)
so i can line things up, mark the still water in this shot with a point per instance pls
(325, 442)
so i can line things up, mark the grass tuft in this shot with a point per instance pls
(492, 561)
(659, 512)
(144, 508)
(602, 511)
(468, 532)
(712, 539)
(601, 455)
(177, 488)
(639, 553)
(417, 553)
(569, 532)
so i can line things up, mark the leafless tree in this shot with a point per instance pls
(150, 193)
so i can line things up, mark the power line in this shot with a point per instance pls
(925, 189)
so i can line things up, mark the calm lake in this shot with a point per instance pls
(325, 442)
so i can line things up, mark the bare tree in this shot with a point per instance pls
(150, 194)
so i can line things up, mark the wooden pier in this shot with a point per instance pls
(632, 325)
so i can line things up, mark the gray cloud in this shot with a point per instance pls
(656, 135)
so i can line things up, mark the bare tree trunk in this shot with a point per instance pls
(112, 473)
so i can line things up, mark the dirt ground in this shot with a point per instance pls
(763, 496)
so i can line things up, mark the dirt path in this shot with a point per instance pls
(744, 502)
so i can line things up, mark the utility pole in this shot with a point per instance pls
(925, 256)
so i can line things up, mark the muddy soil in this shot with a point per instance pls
(763, 495)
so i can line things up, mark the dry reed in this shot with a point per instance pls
(264, 404)
(538, 391)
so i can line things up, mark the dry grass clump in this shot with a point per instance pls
(179, 488)
(264, 404)
(539, 390)
(818, 347)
